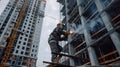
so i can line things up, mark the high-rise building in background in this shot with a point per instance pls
(98, 24)
(20, 28)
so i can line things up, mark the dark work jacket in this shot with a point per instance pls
(56, 34)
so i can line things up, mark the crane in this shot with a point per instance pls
(13, 36)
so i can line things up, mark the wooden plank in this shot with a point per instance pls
(79, 45)
(57, 64)
(87, 63)
(108, 54)
(56, 60)
(98, 32)
(65, 55)
(118, 23)
(109, 61)
(116, 17)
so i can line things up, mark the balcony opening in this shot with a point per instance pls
(106, 51)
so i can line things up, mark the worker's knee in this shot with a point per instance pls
(52, 42)
(53, 45)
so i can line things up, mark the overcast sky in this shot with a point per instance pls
(49, 23)
(3, 3)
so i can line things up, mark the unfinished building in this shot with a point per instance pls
(20, 28)
(96, 27)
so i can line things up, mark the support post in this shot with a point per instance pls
(107, 21)
(91, 51)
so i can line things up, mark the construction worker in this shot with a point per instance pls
(57, 35)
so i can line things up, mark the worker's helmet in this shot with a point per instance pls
(60, 24)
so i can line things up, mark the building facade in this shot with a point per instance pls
(25, 46)
(97, 31)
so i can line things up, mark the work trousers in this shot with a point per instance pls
(54, 48)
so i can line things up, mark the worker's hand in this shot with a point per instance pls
(70, 33)
(67, 33)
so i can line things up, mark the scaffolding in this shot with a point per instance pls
(96, 44)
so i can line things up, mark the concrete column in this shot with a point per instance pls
(69, 37)
(71, 52)
(106, 19)
(91, 51)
